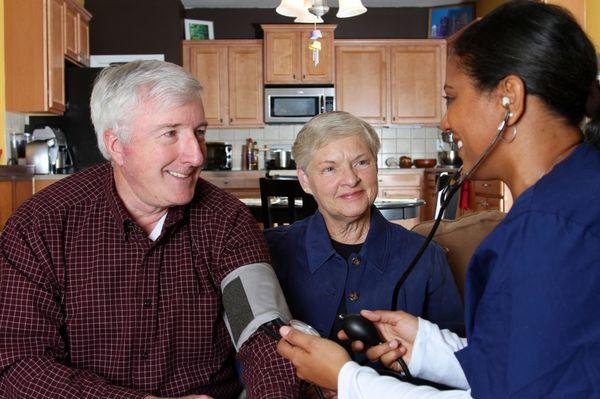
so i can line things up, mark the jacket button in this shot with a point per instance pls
(353, 297)
(355, 261)
(147, 303)
(145, 355)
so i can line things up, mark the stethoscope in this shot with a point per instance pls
(356, 327)
(448, 192)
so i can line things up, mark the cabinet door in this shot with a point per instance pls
(245, 85)
(209, 65)
(6, 201)
(361, 82)
(84, 41)
(71, 33)
(416, 83)
(56, 53)
(23, 191)
(282, 57)
(323, 71)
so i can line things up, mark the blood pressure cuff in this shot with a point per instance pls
(252, 297)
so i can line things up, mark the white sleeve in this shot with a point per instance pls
(356, 382)
(433, 356)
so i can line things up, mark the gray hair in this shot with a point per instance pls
(330, 126)
(120, 89)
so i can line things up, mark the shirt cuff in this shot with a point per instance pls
(418, 351)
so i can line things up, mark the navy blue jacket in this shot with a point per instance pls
(314, 277)
(532, 296)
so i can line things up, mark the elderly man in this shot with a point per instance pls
(114, 280)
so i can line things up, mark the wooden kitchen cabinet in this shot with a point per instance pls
(77, 48)
(362, 81)
(36, 44)
(403, 184)
(287, 58)
(242, 184)
(489, 195)
(231, 72)
(13, 192)
(391, 81)
(417, 80)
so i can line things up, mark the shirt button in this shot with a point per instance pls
(145, 355)
(353, 297)
(147, 303)
(355, 261)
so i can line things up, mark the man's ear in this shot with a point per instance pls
(114, 146)
(303, 179)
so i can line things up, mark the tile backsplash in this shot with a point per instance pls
(416, 142)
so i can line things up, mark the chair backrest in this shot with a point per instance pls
(288, 189)
(460, 238)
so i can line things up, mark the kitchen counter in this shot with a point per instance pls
(16, 170)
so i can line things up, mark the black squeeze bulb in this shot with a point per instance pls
(357, 328)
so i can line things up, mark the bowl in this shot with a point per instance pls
(425, 163)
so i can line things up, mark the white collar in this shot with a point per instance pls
(158, 228)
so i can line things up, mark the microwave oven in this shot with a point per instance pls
(297, 104)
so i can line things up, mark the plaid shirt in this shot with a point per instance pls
(91, 308)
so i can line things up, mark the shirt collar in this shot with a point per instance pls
(376, 247)
(124, 221)
(319, 249)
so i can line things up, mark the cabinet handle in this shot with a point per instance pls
(384, 118)
(221, 120)
(487, 185)
(393, 118)
(230, 120)
(484, 203)
(294, 76)
(303, 76)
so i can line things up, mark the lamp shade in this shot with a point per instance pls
(308, 18)
(290, 8)
(350, 8)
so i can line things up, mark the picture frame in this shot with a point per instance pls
(197, 29)
(444, 21)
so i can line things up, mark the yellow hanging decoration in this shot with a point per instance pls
(315, 45)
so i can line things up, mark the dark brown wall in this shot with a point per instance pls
(136, 27)
(376, 23)
(156, 26)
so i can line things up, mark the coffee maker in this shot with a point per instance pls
(49, 152)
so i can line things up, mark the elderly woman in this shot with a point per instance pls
(528, 73)
(347, 256)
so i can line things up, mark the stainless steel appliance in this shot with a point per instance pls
(297, 104)
(218, 156)
(48, 152)
(279, 158)
(448, 151)
(18, 141)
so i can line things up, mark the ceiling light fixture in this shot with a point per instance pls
(312, 11)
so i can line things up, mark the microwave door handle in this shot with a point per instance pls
(322, 103)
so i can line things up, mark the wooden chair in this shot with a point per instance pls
(290, 190)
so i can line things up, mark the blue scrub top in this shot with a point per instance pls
(532, 299)
(314, 277)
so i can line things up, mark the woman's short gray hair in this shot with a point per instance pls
(330, 126)
(120, 89)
